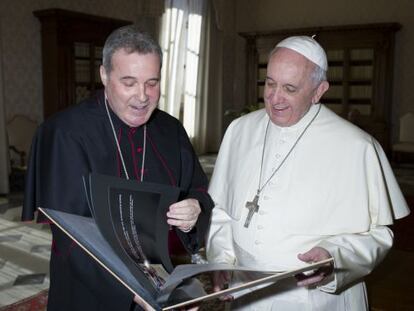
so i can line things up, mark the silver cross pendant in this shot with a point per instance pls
(253, 207)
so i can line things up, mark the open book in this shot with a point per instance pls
(128, 236)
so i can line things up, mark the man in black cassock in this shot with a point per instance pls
(153, 147)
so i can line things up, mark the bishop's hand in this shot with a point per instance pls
(317, 276)
(184, 214)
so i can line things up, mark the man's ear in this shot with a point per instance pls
(104, 76)
(322, 88)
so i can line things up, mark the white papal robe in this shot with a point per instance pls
(335, 190)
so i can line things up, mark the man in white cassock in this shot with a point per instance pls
(295, 183)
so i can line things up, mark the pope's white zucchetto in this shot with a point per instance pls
(308, 47)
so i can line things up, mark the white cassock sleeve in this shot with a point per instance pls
(356, 255)
(220, 241)
(219, 246)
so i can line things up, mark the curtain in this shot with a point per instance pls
(4, 148)
(184, 40)
(205, 89)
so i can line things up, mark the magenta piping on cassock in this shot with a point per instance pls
(172, 180)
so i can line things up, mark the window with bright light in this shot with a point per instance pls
(180, 41)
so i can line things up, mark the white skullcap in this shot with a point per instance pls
(308, 47)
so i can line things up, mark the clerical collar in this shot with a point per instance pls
(118, 123)
(303, 122)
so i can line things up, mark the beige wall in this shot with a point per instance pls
(261, 15)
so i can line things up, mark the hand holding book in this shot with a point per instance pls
(184, 214)
(314, 277)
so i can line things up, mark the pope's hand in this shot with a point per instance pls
(184, 214)
(221, 280)
(319, 275)
(141, 302)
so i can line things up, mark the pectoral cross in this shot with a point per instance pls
(253, 207)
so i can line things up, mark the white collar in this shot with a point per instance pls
(304, 121)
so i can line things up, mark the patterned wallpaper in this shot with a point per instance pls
(21, 44)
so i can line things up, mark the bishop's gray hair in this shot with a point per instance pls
(132, 40)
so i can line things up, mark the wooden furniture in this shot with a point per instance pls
(20, 131)
(404, 148)
(360, 71)
(71, 54)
